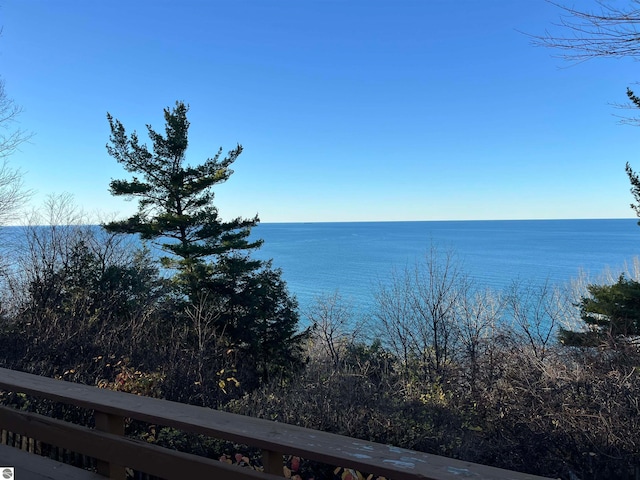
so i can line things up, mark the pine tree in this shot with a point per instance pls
(175, 199)
(248, 298)
(611, 314)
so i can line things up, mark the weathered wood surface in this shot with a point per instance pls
(115, 425)
(392, 462)
(28, 466)
(119, 450)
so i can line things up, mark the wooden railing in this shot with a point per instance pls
(114, 451)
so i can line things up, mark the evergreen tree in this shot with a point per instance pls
(261, 317)
(175, 199)
(634, 179)
(247, 298)
(611, 314)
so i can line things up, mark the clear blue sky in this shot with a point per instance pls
(349, 110)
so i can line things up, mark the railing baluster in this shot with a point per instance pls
(111, 424)
(272, 462)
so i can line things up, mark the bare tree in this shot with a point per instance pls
(418, 312)
(535, 313)
(212, 358)
(479, 319)
(12, 192)
(334, 326)
(611, 31)
(396, 318)
(10, 137)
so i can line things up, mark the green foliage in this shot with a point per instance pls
(372, 360)
(611, 314)
(634, 179)
(175, 199)
(80, 295)
(261, 318)
(227, 296)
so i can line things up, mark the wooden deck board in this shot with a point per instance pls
(29, 466)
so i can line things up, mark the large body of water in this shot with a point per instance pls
(353, 258)
(319, 259)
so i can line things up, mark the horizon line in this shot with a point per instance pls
(307, 222)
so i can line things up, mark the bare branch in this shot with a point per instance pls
(610, 32)
(10, 138)
(12, 192)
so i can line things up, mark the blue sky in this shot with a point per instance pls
(348, 110)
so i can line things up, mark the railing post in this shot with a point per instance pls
(272, 462)
(111, 424)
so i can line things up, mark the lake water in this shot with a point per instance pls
(352, 258)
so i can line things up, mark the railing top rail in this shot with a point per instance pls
(315, 445)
